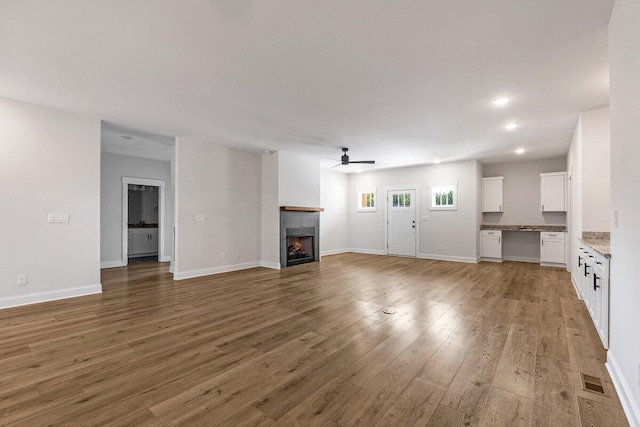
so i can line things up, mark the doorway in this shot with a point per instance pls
(401, 222)
(142, 220)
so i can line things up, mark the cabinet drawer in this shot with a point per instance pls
(492, 233)
(552, 235)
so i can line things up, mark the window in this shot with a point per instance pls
(367, 200)
(402, 200)
(444, 197)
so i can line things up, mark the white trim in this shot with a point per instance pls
(334, 252)
(470, 260)
(368, 251)
(214, 270)
(521, 259)
(166, 258)
(486, 259)
(576, 287)
(629, 405)
(50, 296)
(111, 264)
(269, 264)
(551, 264)
(126, 180)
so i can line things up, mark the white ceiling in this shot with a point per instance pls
(402, 82)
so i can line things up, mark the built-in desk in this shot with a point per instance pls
(549, 248)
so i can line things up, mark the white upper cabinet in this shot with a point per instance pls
(492, 200)
(553, 192)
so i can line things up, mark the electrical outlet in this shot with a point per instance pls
(221, 255)
(615, 219)
(237, 255)
(22, 279)
(201, 218)
(439, 248)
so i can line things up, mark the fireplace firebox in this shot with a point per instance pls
(299, 237)
(299, 249)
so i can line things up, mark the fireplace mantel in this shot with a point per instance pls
(301, 209)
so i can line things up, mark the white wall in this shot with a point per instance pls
(588, 163)
(596, 167)
(298, 180)
(334, 221)
(449, 235)
(574, 168)
(224, 185)
(49, 163)
(624, 56)
(270, 219)
(114, 167)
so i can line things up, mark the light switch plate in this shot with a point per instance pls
(58, 217)
(201, 218)
(22, 279)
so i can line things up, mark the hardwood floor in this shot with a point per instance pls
(485, 344)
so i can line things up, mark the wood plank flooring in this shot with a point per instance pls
(486, 344)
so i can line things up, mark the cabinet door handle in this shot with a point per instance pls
(595, 282)
(543, 207)
(579, 261)
(500, 208)
(499, 239)
(542, 242)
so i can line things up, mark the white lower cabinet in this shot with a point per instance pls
(143, 241)
(552, 248)
(593, 284)
(491, 244)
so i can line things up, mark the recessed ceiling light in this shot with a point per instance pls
(359, 170)
(520, 151)
(436, 161)
(511, 126)
(127, 137)
(501, 102)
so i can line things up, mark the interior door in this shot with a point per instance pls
(401, 220)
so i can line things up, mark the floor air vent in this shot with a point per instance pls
(592, 384)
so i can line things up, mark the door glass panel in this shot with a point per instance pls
(401, 200)
(395, 200)
(407, 199)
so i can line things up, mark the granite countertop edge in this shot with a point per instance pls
(602, 246)
(525, 228)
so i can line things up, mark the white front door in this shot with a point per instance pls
(401, 217)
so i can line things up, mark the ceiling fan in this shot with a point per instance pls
(345, 159)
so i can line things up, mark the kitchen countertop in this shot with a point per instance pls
(551, 228)
(602, 246)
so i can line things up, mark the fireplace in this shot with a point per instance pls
(299, 235)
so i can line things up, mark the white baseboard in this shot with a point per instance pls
(575, 286)
(367, 251)
(521, 259)
(166, 258)
(552, 264)
(214, 270)
(269, 264)
(496, 260)
(471, 260)
(49, 296)
(111, 264)
(629, 405)
(334, 252)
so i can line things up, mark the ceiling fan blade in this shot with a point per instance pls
(367, 162)
(335, 166)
